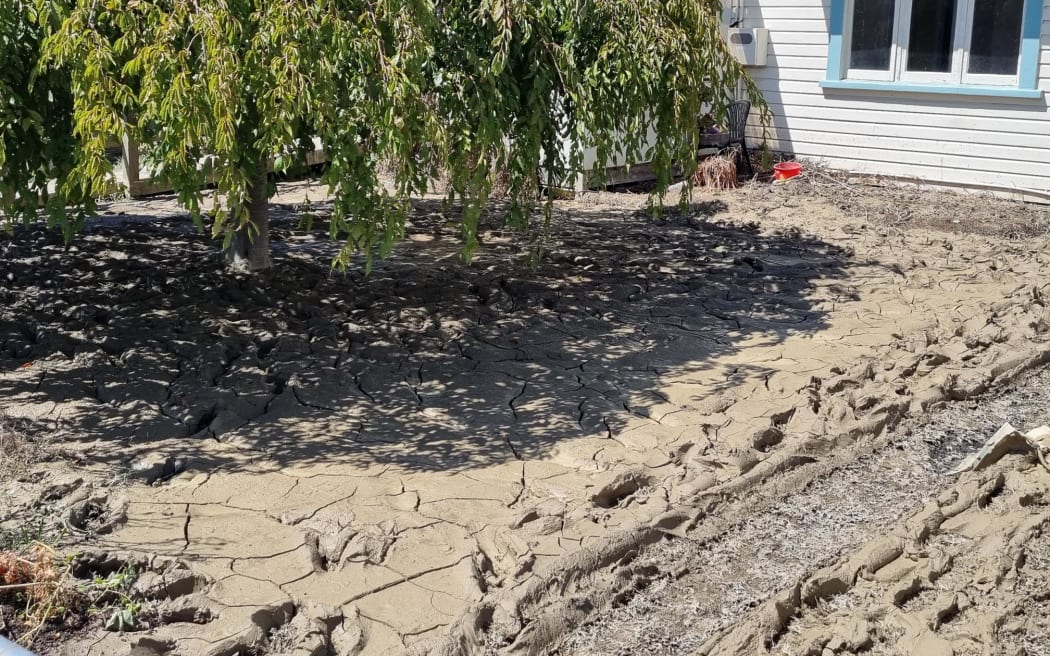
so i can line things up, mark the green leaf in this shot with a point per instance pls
(396, 90)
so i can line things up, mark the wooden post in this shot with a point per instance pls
(131, 163)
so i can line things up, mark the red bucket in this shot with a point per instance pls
(786, 170)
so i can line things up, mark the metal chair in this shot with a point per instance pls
(738, 111)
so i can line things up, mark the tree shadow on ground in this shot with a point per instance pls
(136, 335)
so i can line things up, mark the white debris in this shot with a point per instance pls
(1008, 440)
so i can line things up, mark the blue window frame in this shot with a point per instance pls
(971, 47)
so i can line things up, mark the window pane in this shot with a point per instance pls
(996, 40)
(872, 34)
(930, 40)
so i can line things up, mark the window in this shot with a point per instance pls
(938, 42)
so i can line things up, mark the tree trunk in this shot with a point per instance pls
(250, 248)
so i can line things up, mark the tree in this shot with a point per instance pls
(36, 114)
(219, 89)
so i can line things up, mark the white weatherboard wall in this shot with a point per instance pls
(943, 139)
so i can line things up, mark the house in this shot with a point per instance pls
(950, 92)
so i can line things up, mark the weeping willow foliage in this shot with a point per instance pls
(473, 88)
(36, 124)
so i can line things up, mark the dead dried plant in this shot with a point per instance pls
(37, 580)
(717, 172)
(18, 450)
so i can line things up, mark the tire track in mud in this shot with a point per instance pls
(952, 578)
(541, 427)
(707, 582)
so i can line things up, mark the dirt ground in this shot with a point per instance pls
(710, 580)
(447, 458)
(966, 574)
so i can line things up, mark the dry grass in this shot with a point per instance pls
(42, 599)
(36, 580)
(19, 449)
(718, 172)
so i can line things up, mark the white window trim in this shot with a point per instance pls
(898, 72)
(847, 50)
(985, 79)
(952, 76)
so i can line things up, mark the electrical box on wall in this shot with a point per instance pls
(749, 44)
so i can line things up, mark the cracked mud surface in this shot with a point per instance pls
(708, 581)
(411, 460)
(966, 574)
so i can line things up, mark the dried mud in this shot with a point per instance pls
(964, 575)
(439, 457)
(710, 579)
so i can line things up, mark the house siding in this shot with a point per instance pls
(942, 139)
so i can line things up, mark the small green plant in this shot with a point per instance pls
(124, 617)
(34, 529)
(114, 591)
(39, 581)
(765, 157)
(117, 581)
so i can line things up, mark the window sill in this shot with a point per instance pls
(943, 89)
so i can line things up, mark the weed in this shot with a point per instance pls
(18, 450)
(765, 158)
(718, 172)
(36, 579)
(39, 582)
(124, 617)
(114, 592)
(34, 529)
